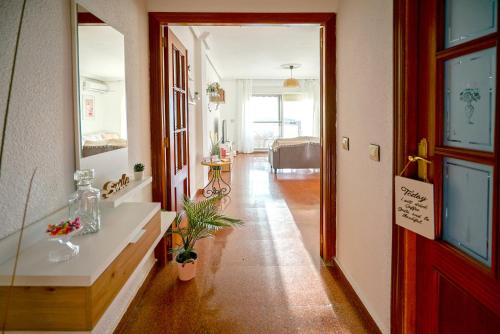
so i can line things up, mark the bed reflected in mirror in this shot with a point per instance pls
(101, 86)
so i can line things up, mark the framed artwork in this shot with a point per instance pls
(88, 107)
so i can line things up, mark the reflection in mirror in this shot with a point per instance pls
(101, 72)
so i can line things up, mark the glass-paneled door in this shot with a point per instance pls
(458, 288)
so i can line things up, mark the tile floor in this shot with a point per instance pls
(265, 277)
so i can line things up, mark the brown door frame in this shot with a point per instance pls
(403, 282)
(328, 94)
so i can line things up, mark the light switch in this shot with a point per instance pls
(345, 143)
(374, 152)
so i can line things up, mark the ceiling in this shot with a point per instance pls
(101, 53)
(257, 51)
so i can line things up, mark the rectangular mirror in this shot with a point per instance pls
(101, 111)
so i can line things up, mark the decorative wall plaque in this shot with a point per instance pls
(414, 205)
(112, 187)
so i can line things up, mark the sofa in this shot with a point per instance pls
(295, 153)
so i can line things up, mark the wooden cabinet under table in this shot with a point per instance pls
(73, 295)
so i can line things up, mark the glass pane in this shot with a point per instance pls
(467, 207)
(469, 19)
(470, 84)
(265, 108)
(264, 133)
(298, 118)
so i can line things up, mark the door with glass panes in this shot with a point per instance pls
(458, 274)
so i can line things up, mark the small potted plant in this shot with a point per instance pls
(213, 90)
(198, 220)
(138, 171)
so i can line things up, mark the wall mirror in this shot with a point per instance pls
(100, 98)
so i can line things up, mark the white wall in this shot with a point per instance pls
(213, 114)
(275, 6)
(364, 187)
(40, 128)
(108, 107)
(228, 111)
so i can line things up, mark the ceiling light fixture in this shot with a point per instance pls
(291, 91)
(291, 82)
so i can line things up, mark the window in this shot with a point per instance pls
(274, 118)
(298, 118)
(266, 112)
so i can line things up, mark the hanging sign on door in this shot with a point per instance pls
(415, 206)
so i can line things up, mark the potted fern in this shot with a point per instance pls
(197, 221)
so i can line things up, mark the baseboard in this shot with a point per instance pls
(337, 272)
(120, 328)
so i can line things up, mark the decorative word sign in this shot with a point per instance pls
(415, 206)
(112, 187)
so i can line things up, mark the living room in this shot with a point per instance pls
(267, 77)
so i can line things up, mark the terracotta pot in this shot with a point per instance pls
(187, 271)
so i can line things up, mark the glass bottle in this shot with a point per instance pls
(84, 203)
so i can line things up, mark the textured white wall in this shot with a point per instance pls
(275, 6)
(364, 187)
(40, 128)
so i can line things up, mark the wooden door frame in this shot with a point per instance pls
(328, 94)
(406, 86)
(403, 280)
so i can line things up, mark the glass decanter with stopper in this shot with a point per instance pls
(84, 203)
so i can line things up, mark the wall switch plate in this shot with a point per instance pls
(374, 152)
(345, 143)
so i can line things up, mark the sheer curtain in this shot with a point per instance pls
(245, 119)
(312, 93)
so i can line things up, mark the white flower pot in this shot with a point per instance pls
(187, 271)
(138, 175)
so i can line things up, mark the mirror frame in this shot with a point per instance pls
(104, 170)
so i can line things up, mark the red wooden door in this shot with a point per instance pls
(458, 287)
(177, 121)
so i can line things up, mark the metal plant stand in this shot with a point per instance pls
(216, 185)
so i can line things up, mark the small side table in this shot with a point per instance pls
(216, 185)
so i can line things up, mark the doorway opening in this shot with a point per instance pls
(161, 153)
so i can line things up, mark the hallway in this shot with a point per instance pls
(265, 277)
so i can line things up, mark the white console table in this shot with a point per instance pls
(90, 292)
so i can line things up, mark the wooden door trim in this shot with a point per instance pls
(403, 280)
(328, 94)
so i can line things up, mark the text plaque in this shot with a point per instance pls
(414, 205)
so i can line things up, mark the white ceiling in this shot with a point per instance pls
(101, 53)
(257, 52)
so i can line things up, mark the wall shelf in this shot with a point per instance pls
(123, 195)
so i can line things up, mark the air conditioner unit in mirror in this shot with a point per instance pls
(96, 86)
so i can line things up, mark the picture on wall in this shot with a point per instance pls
(89, 107)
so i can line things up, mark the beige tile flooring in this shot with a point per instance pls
(265, 277)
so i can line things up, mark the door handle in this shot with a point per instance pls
(421, 159)
(412, 158)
